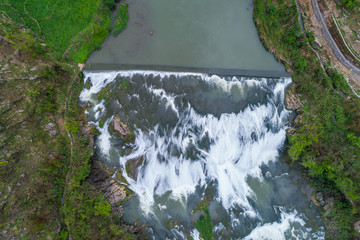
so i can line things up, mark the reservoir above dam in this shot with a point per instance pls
(187, 33)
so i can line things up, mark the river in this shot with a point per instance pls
(206, 146)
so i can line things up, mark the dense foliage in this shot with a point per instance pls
(44, 151)
(350, 3)
(327, 137)
(70, 29)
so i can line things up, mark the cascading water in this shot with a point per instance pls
(201, 138)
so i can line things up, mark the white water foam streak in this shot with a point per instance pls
(240, 143)
(174, 160)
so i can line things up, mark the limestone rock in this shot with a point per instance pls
(319, 197)
(120, 129)
(113, 191)
(290, 131)
(49, 126)
(292, 100)
(357, 226)
(132, 167)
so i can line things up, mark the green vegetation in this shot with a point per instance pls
(103, 94)
(70, 29)
(204, 226)
(45, 149)
(350, 3)
(121, 19)
(327, 134)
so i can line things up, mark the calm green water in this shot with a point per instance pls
(196, 33)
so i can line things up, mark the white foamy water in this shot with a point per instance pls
(290, 226)
(200, 148)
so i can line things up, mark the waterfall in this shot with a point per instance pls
(193, 132)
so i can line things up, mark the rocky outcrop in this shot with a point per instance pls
(132, 167)
(113, 191)
(292, 100)
(121, 130)
(357, 226)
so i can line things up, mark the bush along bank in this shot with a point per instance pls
(326, 133)
(45, 142)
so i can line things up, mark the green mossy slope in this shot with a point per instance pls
(328, 131)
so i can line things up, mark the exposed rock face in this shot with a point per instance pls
(132, 167)
(292, 100)
(51, 129)
(319, 197)
(357, 226)
(119, 128)
(113, 191)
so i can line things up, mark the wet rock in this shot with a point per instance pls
(292, 100)
(268, 175)
(120, 129)
(113, 191)
(132, 167)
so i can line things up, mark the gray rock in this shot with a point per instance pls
(329, 205)
(5, 67)
(290, 131)
(268, 175)
(49, 126)
(34, 69)
(53, 133)
(357, 226)
(292, 100)
(121, 129)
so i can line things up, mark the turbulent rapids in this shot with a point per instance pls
(200, 138)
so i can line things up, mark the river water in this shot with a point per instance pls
(200, 140)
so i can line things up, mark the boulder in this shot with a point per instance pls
(120, 129)
(319, 197)
(357, 226)
(132, 166)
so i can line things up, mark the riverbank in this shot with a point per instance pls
(46, 143)
(325, 138)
